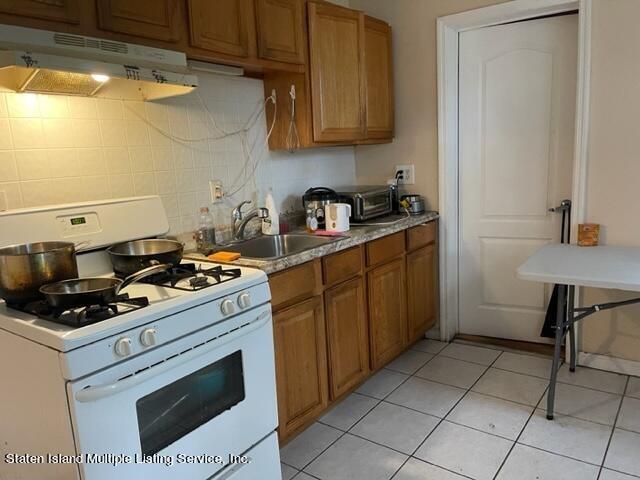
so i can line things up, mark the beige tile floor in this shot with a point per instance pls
(457, 411)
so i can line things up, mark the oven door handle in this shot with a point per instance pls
(228, 474)
(91, 394)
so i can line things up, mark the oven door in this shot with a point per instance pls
(182, 408)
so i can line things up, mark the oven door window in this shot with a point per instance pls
(170, 413)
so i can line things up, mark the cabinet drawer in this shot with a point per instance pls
(385, 248)
(295, 284)
(342, 265)
(421, 235)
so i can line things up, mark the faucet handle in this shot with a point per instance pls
(237, 211)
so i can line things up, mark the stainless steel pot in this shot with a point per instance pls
(415, 202)
(25, 268)
(129, 257)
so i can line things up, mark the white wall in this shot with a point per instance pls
(614, 163)
(414, 61)
(58, 149)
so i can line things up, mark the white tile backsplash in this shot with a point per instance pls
(58, 149)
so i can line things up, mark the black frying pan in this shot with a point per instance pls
(84, 292)
(129, 257)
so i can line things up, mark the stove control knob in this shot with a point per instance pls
(123, 347)
(227, 307)
(148, 337)
(244, 300)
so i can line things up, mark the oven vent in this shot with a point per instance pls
(79, 41)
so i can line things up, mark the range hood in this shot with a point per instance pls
(40, 61)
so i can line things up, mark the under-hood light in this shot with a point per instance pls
(99, 77)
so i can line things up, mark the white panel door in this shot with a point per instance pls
(517, 103)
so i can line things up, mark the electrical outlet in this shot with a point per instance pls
(408, 174)
(215, 188)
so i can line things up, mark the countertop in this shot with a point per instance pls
(356, 236)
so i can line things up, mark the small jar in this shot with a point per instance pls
(312, 220)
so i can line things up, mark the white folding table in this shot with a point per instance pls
(570, 266)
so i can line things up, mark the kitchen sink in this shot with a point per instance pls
(269, 247)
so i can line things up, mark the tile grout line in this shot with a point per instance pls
(613, 429)
(336, 440)
(396, 388)
(445, 416)
(384, 399)
(533, 412)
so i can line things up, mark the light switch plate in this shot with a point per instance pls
(408, 174)
(215, 188)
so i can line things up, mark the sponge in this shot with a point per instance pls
(224, 256)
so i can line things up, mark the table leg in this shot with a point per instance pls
(560, 314)
(572, 330)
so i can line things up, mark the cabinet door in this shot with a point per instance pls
(421, 291)
(346, 335)
(155, 19)
(58, 11)
(336, 53)
(387, 317)
(221, 26)
(301, 364)
(280, 30)
(378, 57)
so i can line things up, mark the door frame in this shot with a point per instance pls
(448, 30)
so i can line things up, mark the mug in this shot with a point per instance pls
(337, 217)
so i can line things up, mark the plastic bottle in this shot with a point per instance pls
(206, 234)
(271, 224)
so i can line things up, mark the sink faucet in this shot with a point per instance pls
(240, 219)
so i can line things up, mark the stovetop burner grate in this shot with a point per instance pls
(191, 277)
(84, 315)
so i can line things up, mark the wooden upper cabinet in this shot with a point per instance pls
(155, 19)
(378, 58)
(337, 69)
(280, 30)
(346, 335)
(301, 364)
(421, 291)
(387, 311)
(221, 26)
(66, 11)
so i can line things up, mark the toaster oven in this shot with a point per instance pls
(367, 201)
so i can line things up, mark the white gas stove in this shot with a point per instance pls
(176, 381)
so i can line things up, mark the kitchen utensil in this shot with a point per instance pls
(415, 203)
(367, 201)
(84, 292)
(317, 198)
(129, 257)
(337, 217)
(25, 268)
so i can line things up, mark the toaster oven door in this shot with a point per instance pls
(372, 206)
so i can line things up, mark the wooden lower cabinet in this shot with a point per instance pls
(421, 291)
(301, 364)
(387, 311)
(347, 339)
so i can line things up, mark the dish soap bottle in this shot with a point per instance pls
(206, 233)
(271, 224)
